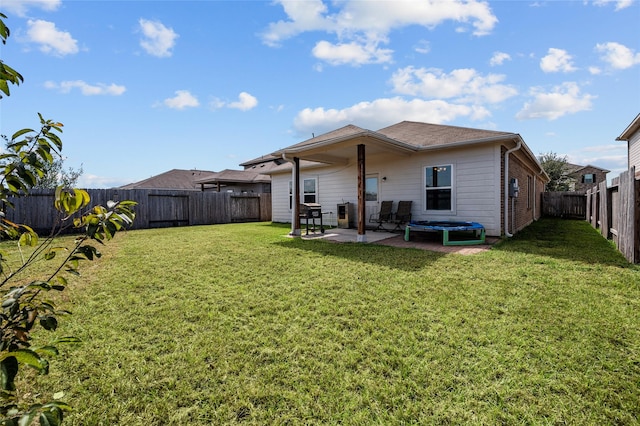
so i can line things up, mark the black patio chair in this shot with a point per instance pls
(383, 216)
(402, 216)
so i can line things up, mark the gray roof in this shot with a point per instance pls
(173, 179)
(575, 168)
(235, 176)
(429, 135)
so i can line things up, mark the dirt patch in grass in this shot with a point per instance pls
(432, 242)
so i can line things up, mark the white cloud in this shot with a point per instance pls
(50, 39)
(465, 85)
(383, 112)
(351, 53)
(20, 7)
(86, 88)
(87, 180)
(620, 4)
(423, 47)
(564, 99)
(245, 102)
(183, 99)
(557, 60)
(361, 26)
(158, 40)
(617, 55)
(498, 58)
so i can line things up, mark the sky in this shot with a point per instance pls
(143, 87)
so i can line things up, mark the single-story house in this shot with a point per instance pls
(449, 173)
(251, 179)
(585, 177)
(632, 135)
(175, 179)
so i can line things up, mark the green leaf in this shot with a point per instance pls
(47, 350)
(32, 359)
(49, 322)
(68, 339)
(8, 371)
(28, 239)
(20, 133)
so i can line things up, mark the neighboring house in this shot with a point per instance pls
(251, 179)
(173, 179)
(585, 177)
(449, 173)
(632, 135)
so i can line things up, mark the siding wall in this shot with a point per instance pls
(634, 151)
(476, 183)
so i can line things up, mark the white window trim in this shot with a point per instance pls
(452, 187)
(302, 193)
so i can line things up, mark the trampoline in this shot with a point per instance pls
(476, 229)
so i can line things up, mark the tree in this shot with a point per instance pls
(54, 176)
(556, 168)
(25, 306)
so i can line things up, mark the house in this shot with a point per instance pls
(185, 180)
(251, 179)
(449, 173)
(632, 135)
(585, 177)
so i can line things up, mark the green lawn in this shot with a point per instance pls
(238, 324)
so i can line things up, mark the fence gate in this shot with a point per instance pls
(166, 211)
(245, 208)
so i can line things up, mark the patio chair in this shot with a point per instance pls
(402, 215)
(383, 216)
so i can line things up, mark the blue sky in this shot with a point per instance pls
(143, 87)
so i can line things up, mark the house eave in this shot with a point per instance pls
(317, 151)
(630, 130)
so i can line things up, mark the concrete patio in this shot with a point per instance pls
(428, 241)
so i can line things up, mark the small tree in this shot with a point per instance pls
(556, 168)
(25, 306)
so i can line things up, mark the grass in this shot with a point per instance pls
(233, 324)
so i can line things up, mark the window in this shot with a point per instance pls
(309, 192)
(589, 178)
(529, 192)
(371, 188)
(439, 187)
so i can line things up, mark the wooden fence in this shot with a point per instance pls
(615, 211)
(155, 209)
(570, 205)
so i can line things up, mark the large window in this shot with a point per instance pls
(439, 187)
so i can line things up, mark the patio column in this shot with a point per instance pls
(362, 238)
(295, 180)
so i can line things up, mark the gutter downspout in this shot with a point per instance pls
(506, 187)
(294, 177)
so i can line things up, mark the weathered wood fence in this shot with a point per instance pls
(615, 211)
(155, 209)
(570, 205)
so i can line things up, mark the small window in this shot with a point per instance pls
(529, 192)
(371, 188)
(310, 194)
(589, 178)
(439, 187)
